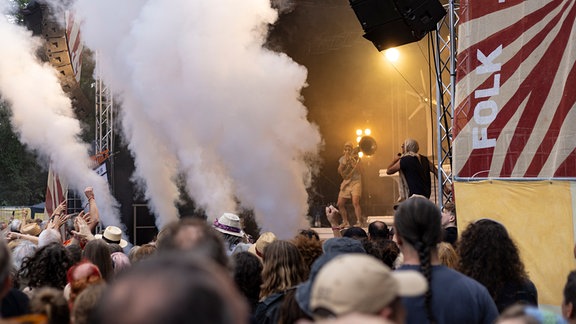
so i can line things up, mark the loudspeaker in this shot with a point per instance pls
(391, 23)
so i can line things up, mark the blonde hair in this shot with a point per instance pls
(447, 255)
(411, 145)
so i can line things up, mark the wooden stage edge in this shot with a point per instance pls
(326, 232)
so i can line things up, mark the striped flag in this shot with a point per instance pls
(515, 113)
(75, 45)
(56, 192)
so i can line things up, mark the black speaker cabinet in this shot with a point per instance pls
(391, 23)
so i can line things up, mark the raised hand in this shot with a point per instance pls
(61, 209)
(82, 232)
(57, 220)
(89, 192)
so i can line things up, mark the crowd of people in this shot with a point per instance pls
(196, 271)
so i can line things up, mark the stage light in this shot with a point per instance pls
(392, 54)
(367, 131)
(359, 132)
(391, 23)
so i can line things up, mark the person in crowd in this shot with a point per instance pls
(143, 252)
(94, 215)
(310, 248)
(86, 302)
(192, 234)
(414, 170)
(120, 262)
(248, 277)
(310, 233)
(332, 214)
(115, 248)
(24, 249)
(261, 243)
(290, 312)
(332, 247)
(49, 235)
(489, 255)
(449, 229)
(283, 268)
(13, 301)
(386, 251)
(169, 288)
(350, 169)
(79, 277)
(32, 231)
(112, 235)
(97, 252)
(451, 296)
(230, 226)
(75, 252)
(378, 230)
(528, 314)
(360, 283)
(448, 255)
(46, 268)
(569, 298)
(355, 232)
(51, 303)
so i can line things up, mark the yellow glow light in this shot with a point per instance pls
(358, 139)
(392, 54)
(358, 132)
(367, 131)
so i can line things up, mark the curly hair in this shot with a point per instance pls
(386, 251)
(418, 223)
(47, 267)
(283, 267)
(310, 249)
(489, 255)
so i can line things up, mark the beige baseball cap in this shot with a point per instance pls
(361, 283)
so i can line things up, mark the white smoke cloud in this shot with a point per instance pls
(42, 114)
(201, 96)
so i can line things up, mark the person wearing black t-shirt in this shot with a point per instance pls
(414, 169)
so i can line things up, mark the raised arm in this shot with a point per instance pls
(92, 208)
(394, 166)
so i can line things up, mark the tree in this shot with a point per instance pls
(22, 179)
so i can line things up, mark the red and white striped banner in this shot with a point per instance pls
(55, 192)
(75, 45)
(515, 113)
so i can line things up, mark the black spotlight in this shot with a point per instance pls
(391, 23)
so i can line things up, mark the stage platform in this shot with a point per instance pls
(326, 232)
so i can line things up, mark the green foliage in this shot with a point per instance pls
(22, 179)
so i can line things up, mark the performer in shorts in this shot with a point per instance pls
(350, 168)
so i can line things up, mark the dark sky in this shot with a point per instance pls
(352, 86)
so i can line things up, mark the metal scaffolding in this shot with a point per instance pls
(445, 63)
(104, 123)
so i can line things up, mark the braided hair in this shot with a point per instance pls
(418, 223)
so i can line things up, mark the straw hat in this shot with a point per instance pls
(112, 235)
(31, 229)
(258, 248)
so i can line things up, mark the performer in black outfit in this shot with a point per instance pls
(414, 171)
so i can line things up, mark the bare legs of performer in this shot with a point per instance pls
(357, 210)
(342, 208)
